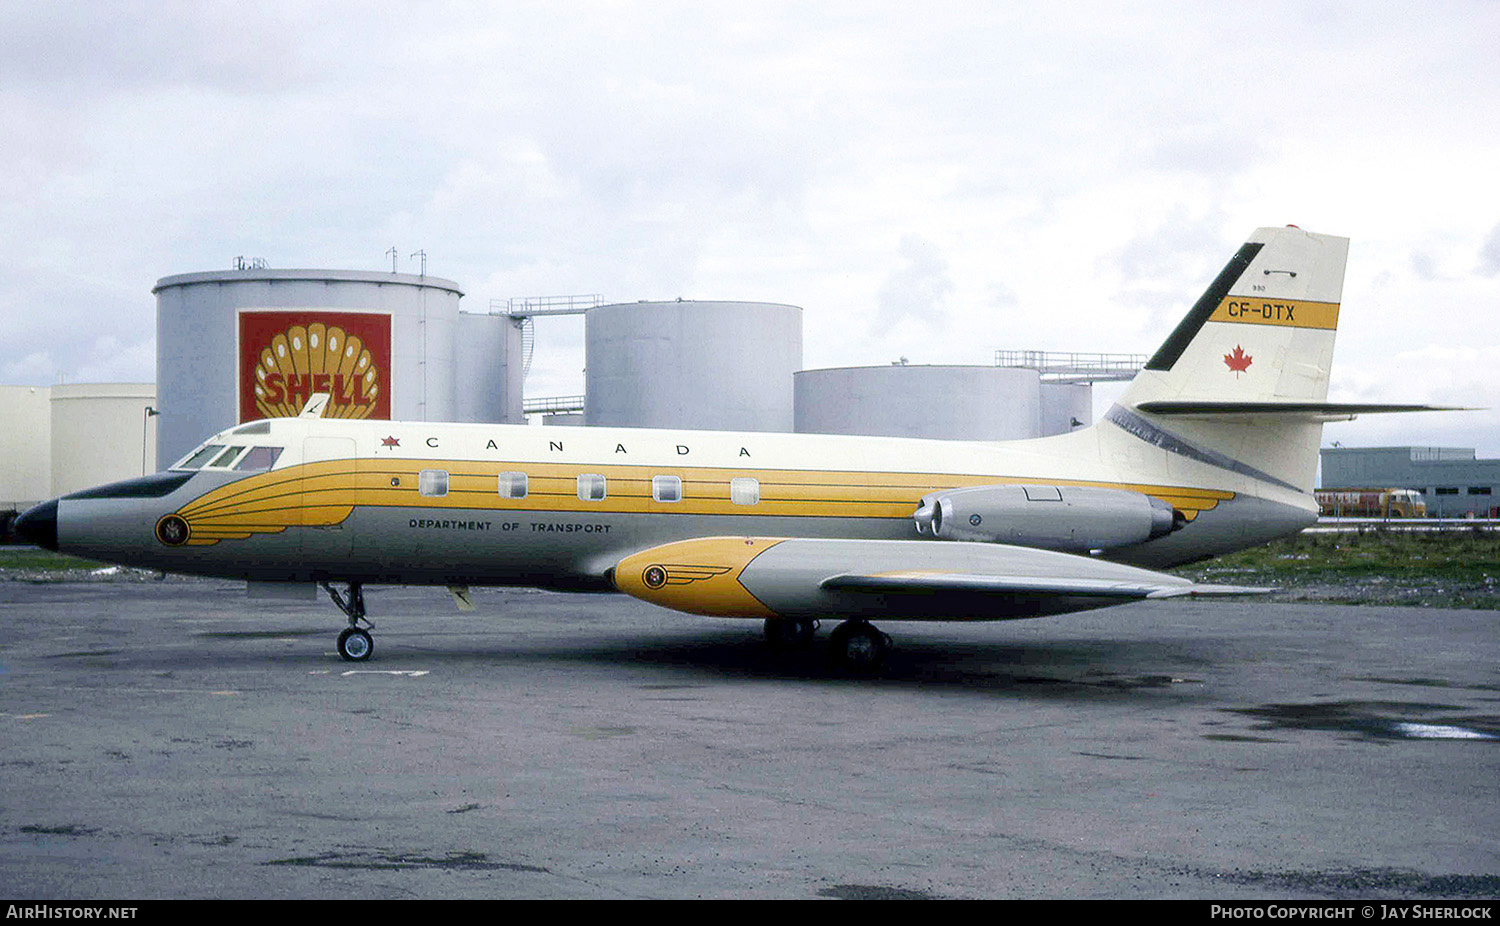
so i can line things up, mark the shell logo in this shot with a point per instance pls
(288, 357)
(327, 359)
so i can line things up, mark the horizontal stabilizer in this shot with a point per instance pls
(1306, 410)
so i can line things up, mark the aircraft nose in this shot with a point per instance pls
(38, 525)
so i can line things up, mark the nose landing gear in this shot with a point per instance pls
(354, 644)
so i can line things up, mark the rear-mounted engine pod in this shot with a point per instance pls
(172, 530)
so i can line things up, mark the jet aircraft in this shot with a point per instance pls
(1212, 448)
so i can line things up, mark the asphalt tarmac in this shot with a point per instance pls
(177, 740)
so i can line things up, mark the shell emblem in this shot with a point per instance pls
(303, 360)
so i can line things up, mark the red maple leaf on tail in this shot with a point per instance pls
(1238, 361)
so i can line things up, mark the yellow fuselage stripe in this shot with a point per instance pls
(327, 492)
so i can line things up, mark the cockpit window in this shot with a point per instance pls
(254, 427)
(201, 457)
(258, 458)
(227, 457)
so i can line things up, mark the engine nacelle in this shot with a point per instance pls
(1070, 518)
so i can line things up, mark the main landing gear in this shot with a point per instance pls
(858, 646)
(355, 644)
(790, 633)
(855, 644)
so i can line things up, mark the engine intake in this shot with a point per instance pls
(1075, 519)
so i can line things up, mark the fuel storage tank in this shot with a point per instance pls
(1066, 406)
(939, 402)
(692, 364)
(242, 344)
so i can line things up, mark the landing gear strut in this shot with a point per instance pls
(858, 646)
(355, 644)
(790, 633)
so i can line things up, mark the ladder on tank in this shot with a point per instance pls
(524, 309)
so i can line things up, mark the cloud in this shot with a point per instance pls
(1423, 265)
(36, 368)
(110, 361)
(917, 288)
(123, 48)
(1489, 254)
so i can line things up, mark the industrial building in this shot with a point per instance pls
(1454, 483)
(60, 439)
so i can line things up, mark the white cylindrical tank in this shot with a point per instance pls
(1066, 406)
(939, 402)
(101, 432)
(688, 364)
(25, 446)
(237, 345)
(490, 377)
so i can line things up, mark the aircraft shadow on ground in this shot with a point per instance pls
(1092, 670)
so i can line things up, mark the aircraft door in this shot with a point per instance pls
(327, 490)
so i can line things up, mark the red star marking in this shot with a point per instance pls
(389, 442)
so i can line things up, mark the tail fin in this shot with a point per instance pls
(1263, 331)
(1242, 383)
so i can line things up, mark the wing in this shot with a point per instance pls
(928, 583)
(900, 579)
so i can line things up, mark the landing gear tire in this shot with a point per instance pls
(788, 633)
(858, 647)
(355, 645)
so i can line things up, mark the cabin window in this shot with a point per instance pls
(259, 458)
(202, 456)
(591, 487)
(1445, 490)
(512, 485)
(227, 457)
(433, 482)
(744, 490)
(1479, 490)
(666, 488)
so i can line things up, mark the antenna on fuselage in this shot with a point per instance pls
(315, 405)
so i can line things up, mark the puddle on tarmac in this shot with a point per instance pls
(1383, 720)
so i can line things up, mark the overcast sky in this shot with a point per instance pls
(934, 180)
